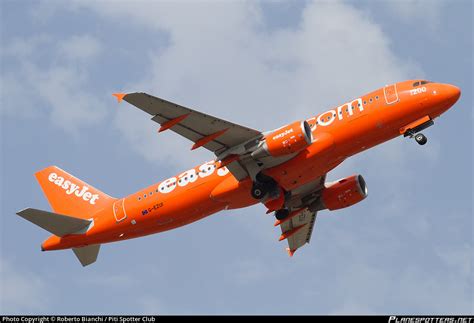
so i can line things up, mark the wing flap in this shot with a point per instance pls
(303, 236)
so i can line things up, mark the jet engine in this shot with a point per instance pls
(344, 192)
(286, 140)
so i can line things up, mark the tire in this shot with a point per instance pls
(258, 191)
(282, 214)
(421, 139)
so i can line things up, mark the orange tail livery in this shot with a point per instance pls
(284, 169)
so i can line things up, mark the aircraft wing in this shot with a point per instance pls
(212, 133)
(303, 224)
(298, 227)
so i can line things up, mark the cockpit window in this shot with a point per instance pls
(418, 83)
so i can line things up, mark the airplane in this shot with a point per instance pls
(285, 169)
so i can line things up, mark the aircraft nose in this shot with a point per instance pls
(452, 93)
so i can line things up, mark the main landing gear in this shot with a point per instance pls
(259, 190)
(282, 214)
(263, 186)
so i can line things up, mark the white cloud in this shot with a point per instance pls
(44, 72)
(80, 47)
(422, 13)
(222, 61)
(21, 291)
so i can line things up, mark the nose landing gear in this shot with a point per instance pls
(415, 131)
(421, 139)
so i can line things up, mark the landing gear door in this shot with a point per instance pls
(390, 93)
(119, 210)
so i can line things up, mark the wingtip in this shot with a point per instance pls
(22, 211)
(290, 252)
(119, 96)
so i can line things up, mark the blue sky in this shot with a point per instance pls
(407, 248)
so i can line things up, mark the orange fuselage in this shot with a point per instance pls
(338, 133)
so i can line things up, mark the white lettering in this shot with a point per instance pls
(59, 181)
(223, 171)
(190, 176)
(94, 198)
(187, 177)
(52, 177)
(325, 119)
(168, 185)
(66, 185)
(418, 90)
(84, 189)
(87, 196)
(70, 188)
(207, 169)
(283, 134)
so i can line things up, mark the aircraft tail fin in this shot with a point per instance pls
(58, 224)
(69, 195)
(87, 255)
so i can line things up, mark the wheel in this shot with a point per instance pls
(282, 214)
(421, 139)
(258, 191)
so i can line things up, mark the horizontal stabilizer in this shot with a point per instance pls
(87, 255)
(57, 224)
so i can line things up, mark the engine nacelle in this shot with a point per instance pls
(345, 192)
(286, 140)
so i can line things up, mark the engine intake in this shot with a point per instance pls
(286, 140)
(344, 192)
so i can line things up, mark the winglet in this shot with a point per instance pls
(119, 96)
